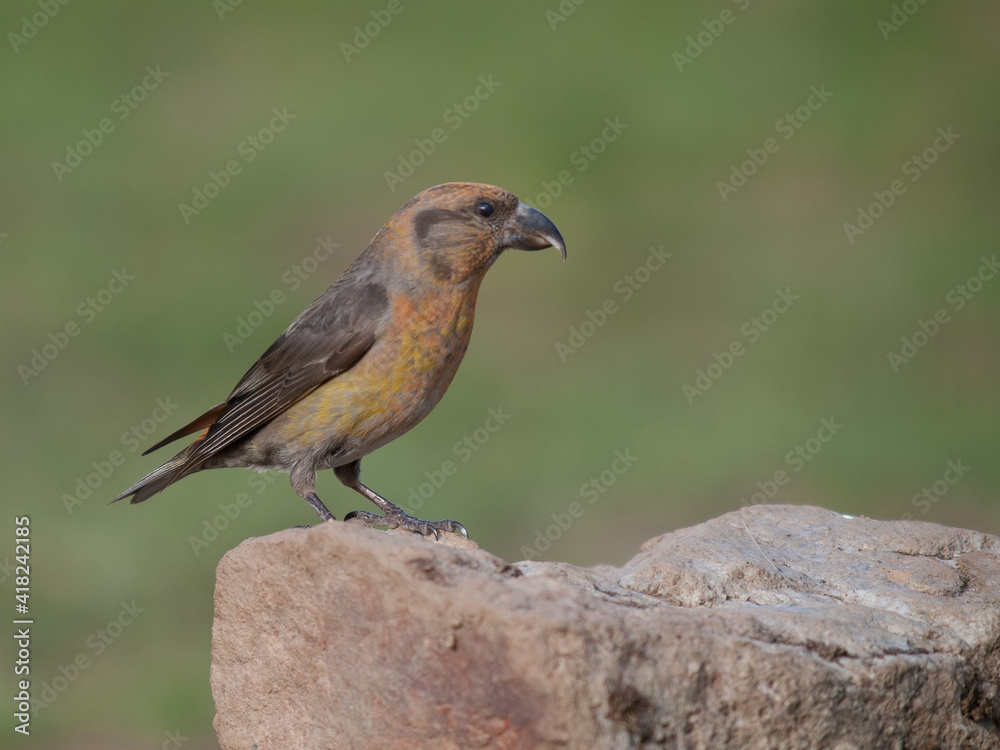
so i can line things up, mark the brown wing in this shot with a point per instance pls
(329, 337)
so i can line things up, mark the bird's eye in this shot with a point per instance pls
(485, 209)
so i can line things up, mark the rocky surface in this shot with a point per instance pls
(770, 627)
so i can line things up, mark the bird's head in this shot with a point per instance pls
(455, 231)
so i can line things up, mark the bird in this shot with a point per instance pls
(369, 358)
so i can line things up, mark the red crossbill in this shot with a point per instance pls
(370, 357)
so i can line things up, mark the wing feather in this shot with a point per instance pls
(327, 339)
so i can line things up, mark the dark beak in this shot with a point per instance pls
(531, 230)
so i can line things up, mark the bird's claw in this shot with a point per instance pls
(401, 520)
(457, 528)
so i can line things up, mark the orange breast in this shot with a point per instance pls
(394, 386)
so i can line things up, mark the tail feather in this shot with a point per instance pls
(179, 466)
(159, 479)
(205, 420)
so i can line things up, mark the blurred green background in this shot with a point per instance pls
(695, 90)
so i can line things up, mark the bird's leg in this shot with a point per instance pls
(395, 517)
(317, 504)
(304, 484)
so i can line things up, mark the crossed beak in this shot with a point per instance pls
(530, 229)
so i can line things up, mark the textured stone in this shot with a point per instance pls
(769, 627)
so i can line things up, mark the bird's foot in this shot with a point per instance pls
(397, 519)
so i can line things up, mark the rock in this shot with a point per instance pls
(770, 627)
